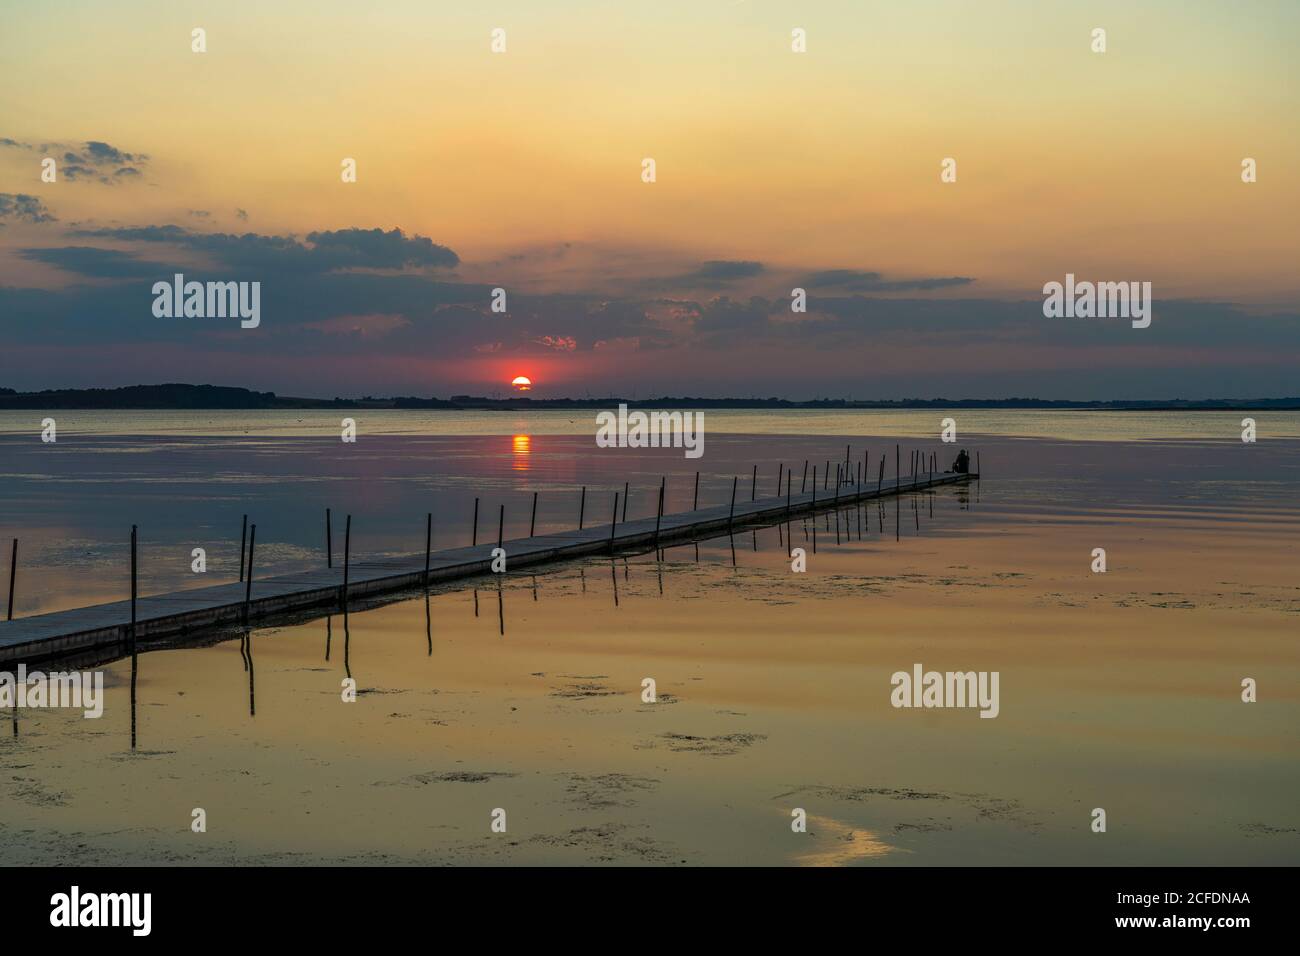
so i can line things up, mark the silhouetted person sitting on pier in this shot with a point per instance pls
(962, 465)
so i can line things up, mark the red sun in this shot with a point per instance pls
(522, 383)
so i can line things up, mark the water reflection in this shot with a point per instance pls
(522, 447)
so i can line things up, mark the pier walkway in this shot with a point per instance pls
(159, 615)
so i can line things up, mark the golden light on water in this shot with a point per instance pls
(522, 446)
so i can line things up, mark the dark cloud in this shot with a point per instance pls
(711, 274)
(103, 154)
(92, 161)
(336, 296)
(856, 280)
(24, 207)
(722, 269)
(96, 263)
(323, 251)
(377, 249)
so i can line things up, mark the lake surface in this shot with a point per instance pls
(523, 692)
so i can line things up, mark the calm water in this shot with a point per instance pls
(1065, 425)
(1119, 691)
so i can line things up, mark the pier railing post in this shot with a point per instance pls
(243, 536)
(803, 482)
(532, 522)
(133, 585)
(347, 558)
(613, 523)
(248, 581)
(329, 541)
(428, 544)
(779, 468)
(659, 513)
(753, 486)
(473, 540)
(732, 512)
(582, 507)
(13, 570)
(501, 525)
(814, 487)
(695, 502)
(625, 497)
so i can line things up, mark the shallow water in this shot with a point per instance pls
(1118, 690)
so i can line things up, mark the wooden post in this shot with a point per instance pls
(733, 504)
(977, 463)
(625, 502)
(243, 535)
(133, 587)
(880, 476)
(428, 545)
(695, 502)
(826, 476)
(789, 477)
(837, 492)
(532, 522)
(753, 485)
(613, 522)
(501, 525)
(329, 541)
(803, 482)
(248, 581)
(347, 555)
(13, 568)
(779, 468)
(659, 513)
(898, 474)
(814, 487)
(582, 507)
(474, 539)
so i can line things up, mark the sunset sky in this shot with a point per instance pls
(775, 169)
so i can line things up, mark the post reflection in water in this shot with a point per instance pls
(245, 653)
(784, 541)
(347, 646)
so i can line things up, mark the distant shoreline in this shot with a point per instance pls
(178, 397)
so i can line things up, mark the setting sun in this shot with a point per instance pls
(522, 383)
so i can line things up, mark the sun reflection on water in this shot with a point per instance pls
(522, 447)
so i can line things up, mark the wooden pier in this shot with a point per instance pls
(162, 615)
